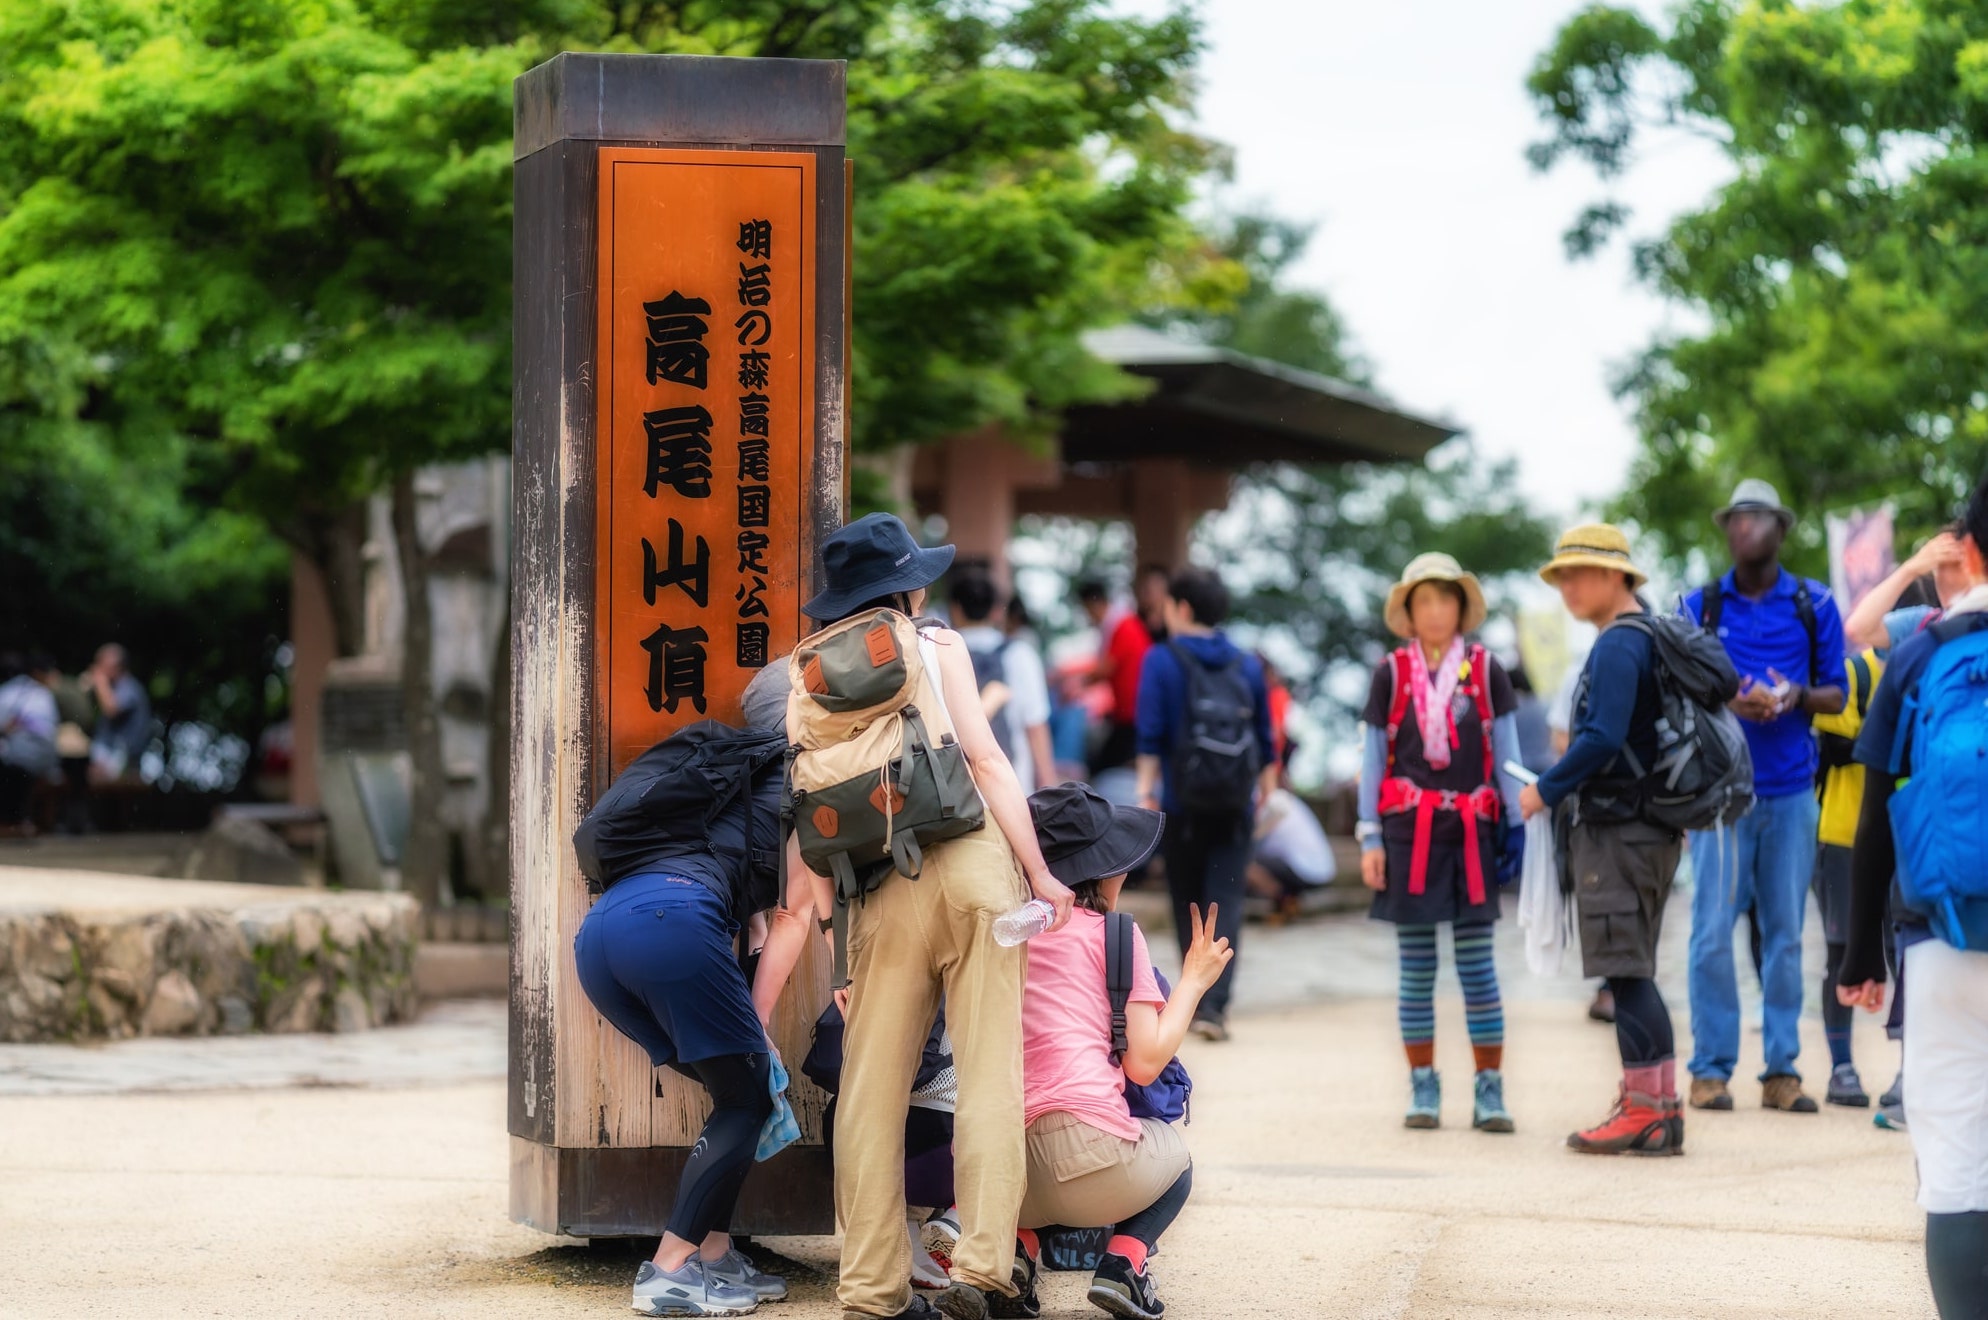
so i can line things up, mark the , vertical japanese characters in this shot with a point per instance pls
(692, 575)
(676, 339)
(706, 428)
(679, 450)
(755, 506)
(676, 667)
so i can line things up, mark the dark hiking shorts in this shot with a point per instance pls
(1622, 878)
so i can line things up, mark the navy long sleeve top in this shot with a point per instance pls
(1619, 709)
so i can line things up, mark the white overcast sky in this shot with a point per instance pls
(1400, 128)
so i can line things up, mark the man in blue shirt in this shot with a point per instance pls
(1207, 847)
(1784, 636)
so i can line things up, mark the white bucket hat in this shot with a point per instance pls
(1755, 496)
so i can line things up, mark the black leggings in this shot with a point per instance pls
(741, 1100)
(1642, 1021)
(1837, 1016)
(1957, 1264)
(1206, 857)
(1155, 1219)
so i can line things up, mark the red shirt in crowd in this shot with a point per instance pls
(1280, 714)
(1127, 648)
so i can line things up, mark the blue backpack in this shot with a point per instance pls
(1940, 818)
(1165, 1097)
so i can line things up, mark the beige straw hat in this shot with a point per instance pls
(1594, 545)
(1435, 568)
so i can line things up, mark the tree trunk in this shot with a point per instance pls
(424, 863)
(336, 543)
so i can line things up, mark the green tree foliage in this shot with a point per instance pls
(282, 230)
(99, 545)
(273, 236)
(279, 231)
(1019, 180)
(1311, 551)
(1839, 282)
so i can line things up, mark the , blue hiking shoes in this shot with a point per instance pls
(1846, 1088)
(692, 1290)
(1425, 1103)
(736, 1270)
(1489, 1114)
(1891, 1107)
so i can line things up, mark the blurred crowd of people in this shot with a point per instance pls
(1752, 727)
(67, 732)
(1074, 716)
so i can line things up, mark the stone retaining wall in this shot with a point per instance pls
(85, 956)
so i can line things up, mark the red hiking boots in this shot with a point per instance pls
(1639, 1125)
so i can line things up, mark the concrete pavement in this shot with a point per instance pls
(455, 1041)
(1311, 1200)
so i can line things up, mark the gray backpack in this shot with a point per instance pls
(1703, 776)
